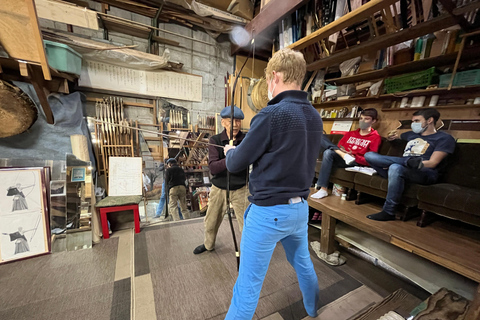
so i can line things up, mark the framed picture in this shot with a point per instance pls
(24, 227)
(57, 188)
(78, 174)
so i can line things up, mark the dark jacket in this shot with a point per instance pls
(217, 166)
(283, 144)
(174, 176)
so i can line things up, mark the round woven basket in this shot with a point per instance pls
(17, 111)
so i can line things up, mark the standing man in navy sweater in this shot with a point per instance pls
(282, 144)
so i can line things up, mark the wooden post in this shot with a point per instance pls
(327, 242)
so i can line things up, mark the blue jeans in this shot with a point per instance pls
(397, 173)
(263, 228)
(329, 160)
(161, 204)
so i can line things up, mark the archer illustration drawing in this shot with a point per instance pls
(19, 199)
(21, 243)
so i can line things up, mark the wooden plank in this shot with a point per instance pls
(327, 243)
(357, 15)
(467, 8)
(20, 34)
(37, 36)
(268, 18)
(401, 301)
(447, 247)
(447, 263)
(384, 41)
(67, 13)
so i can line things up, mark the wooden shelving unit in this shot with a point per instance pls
(413, 66)
(471, 106)
(399, 95)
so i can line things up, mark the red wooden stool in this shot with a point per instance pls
(116, 204)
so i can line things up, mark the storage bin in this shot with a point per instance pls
(62, 57)
(410, 81)
(462, 79)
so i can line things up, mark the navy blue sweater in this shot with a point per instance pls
(283, 144)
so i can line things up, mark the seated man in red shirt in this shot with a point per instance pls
(350, 150)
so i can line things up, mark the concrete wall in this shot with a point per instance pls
(212, 62)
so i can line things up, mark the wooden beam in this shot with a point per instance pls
(385, 41)
(472, 6)
(358, 15)
(450, 6)
(67, 13)
(271, 14)
(38, 84)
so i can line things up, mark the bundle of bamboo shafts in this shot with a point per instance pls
(112, 140)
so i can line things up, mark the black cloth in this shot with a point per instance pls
(16, 235)
(174, 176)
(12, 191)
(216, 162)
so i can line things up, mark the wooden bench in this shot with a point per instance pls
(452, 250)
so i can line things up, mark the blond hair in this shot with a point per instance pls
(290, 63)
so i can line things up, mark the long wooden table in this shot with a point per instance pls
(449, 248)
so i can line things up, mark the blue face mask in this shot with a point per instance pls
(417, 127)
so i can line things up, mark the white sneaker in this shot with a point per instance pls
(319, 194)
(348, 159)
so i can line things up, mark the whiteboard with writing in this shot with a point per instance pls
(125, 176)
(161, 83)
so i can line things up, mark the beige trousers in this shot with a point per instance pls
(217, 207)
(178, 193)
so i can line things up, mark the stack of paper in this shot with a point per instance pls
(364, 170)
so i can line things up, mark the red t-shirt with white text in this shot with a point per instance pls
(358, 145)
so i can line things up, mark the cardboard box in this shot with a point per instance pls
(242, 8)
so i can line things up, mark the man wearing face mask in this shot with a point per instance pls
(422, 160)
(350, 150)
(283, 144)
(217, 204)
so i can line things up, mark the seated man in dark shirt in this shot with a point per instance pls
(422, 160)
(175, 184)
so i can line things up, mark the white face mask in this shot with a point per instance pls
(270, 94)
(417, 127)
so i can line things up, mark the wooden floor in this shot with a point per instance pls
(452, 247)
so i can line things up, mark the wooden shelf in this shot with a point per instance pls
(437, 107)
(398, 95)
(384, 41)
(362, 13)
(339, 119)
(406, 67)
